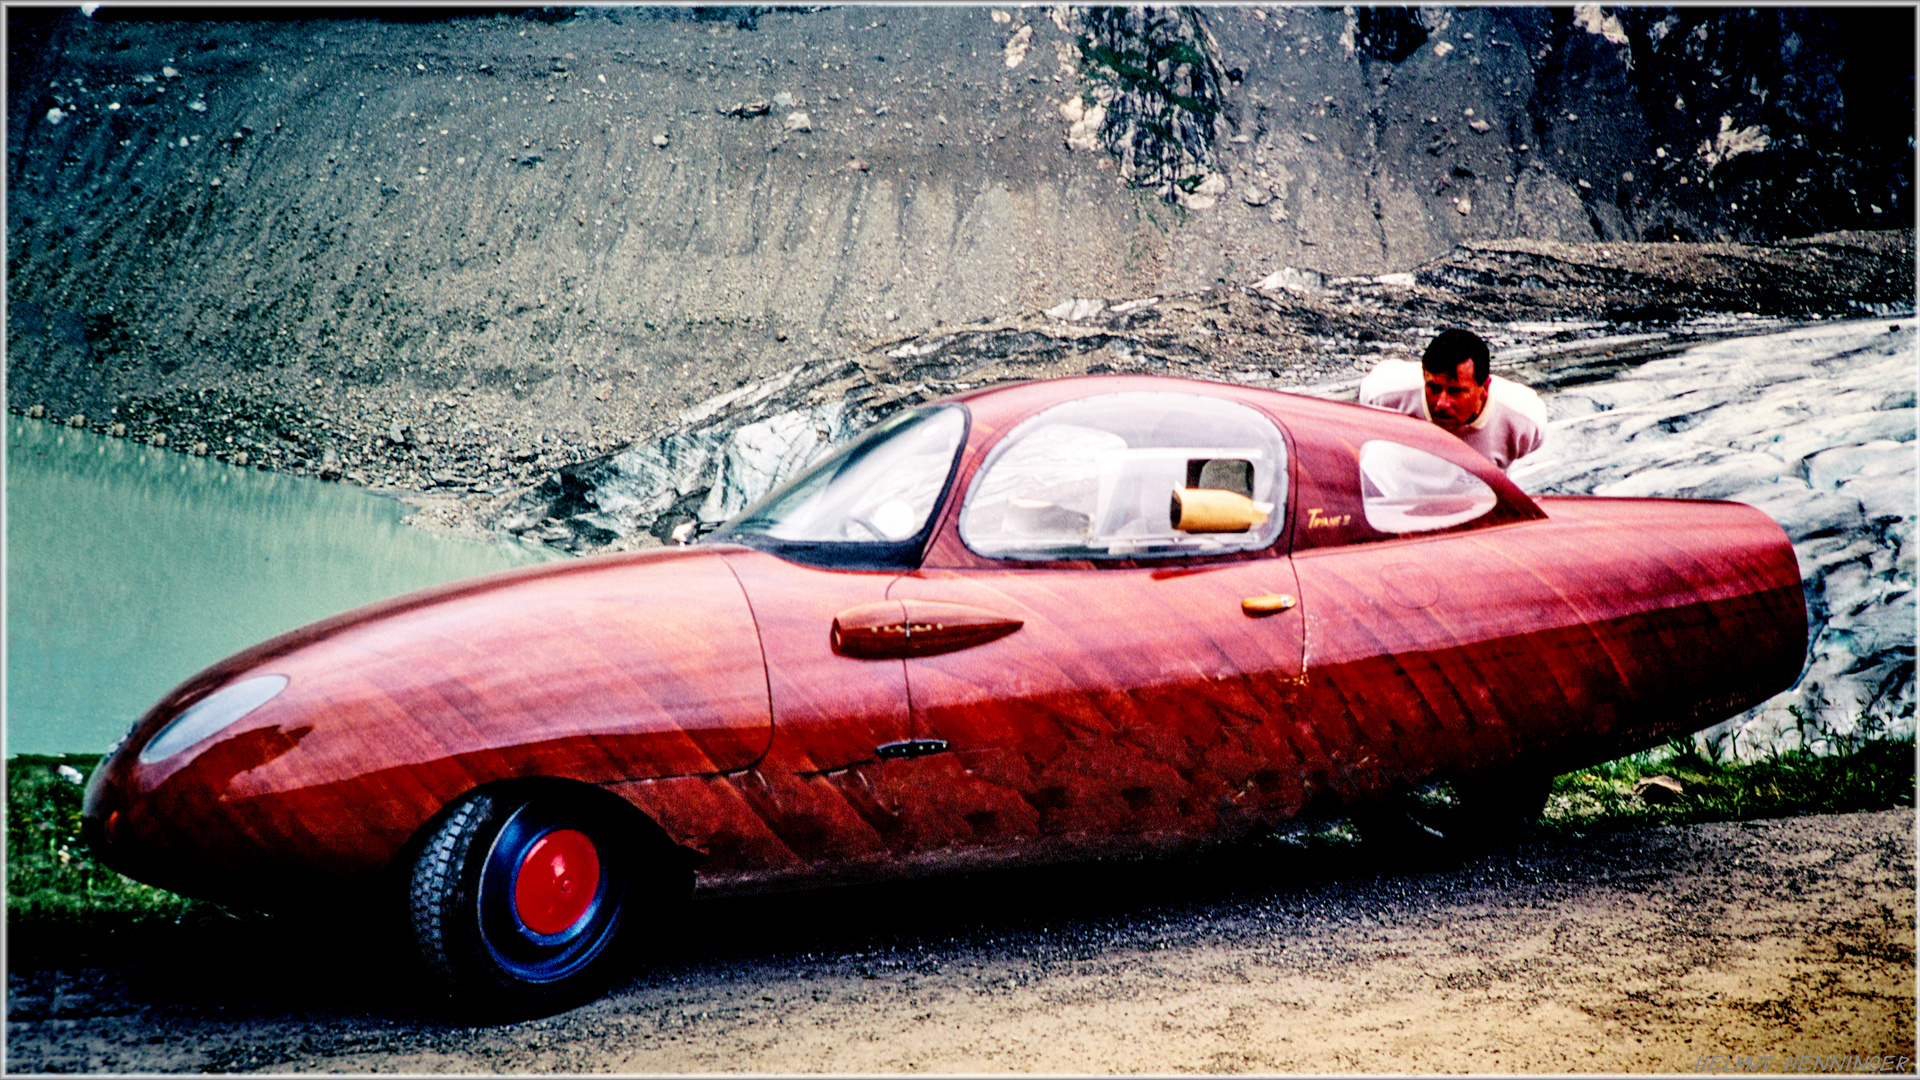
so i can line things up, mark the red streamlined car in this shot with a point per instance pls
(1037, 622)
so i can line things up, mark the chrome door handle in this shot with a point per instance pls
(909, 748)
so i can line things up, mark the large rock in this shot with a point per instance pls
(700, 475)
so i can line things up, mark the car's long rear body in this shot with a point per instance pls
(1605, 628)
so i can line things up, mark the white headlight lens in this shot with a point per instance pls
(211, 714)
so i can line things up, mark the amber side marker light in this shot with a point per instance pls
(1268, 604)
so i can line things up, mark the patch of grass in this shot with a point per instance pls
(59, 898)
(1876, 774)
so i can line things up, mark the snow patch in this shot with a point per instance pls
(1076, 310)
(1732, 141)
(1594, 20)
(1300, 281)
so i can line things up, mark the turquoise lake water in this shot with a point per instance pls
(129, 568)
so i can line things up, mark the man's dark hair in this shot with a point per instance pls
(1445, 352)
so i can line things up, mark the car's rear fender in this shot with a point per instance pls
(1542, 645)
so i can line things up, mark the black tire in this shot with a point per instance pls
(517, 904)
(1444, 822)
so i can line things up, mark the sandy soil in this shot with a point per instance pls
(1657, 951)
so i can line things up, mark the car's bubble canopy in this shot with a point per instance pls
(1094, 479)
(869, 503)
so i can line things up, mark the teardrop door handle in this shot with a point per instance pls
(897, 629)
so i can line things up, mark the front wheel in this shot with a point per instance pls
(518, 904)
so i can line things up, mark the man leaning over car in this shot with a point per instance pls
(1452, 387)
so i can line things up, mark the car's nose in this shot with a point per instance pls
(103, 807)
(171, 823)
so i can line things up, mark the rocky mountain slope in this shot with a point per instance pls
(459, 250)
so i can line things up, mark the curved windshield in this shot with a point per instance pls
(871, 501)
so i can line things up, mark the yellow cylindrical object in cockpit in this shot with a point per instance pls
(1206, 510)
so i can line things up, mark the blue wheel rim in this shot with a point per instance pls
(521, 952)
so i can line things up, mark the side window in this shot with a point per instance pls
(1129, 475)
(1406, 490)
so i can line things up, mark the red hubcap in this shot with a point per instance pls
(556, 881)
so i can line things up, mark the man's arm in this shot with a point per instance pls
(1395, 385)
(1526, 416)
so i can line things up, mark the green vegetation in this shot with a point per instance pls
(1143, 71)
(54, 885)
(1875, 774)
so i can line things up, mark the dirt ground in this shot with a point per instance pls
(1771, 946)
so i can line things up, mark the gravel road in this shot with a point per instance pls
(1653, 951)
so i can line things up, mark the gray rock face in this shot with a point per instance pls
(705, 473)
(1815, 426)
(1159, 93)
(587, 221)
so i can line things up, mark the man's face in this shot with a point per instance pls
(1454, 400)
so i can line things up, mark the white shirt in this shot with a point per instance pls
(1513, 424)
